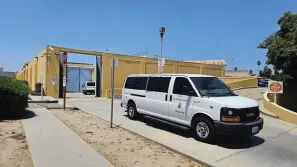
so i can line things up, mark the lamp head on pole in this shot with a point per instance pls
(162, 31)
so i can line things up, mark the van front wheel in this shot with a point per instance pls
(203, 129)
(132, 111)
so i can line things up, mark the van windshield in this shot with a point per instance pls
(211, 87)
(90, 83)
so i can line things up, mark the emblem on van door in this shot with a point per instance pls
(250, 114)
(179, 105)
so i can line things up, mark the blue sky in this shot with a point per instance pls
(195, 29)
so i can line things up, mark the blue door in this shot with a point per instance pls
(76, 77)
(73, 80)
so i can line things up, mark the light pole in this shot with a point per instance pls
(258, 63)
(161, 31)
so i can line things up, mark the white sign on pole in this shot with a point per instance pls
(41, 78)
(161, 62)
(64, 81)
(114, 62)
(54, 81)
(275, 87)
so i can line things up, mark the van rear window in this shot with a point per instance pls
(138, 83)
(90, 83)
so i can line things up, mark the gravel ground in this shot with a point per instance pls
(14, 149)
(121, 147)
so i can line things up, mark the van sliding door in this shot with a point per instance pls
(157, 95)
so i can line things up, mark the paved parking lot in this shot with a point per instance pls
(273, 146)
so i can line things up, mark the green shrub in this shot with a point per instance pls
(13, 97)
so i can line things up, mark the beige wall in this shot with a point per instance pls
(141, 65)
(49, 67)
(32, 71)
(240, 82)
(237, 73)
(281, 112)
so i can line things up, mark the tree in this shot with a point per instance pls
(266, 72)
(251, 72)
(282, 47)
(235, 68)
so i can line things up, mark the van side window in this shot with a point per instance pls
(158, 84)
(140, 83)
(130, 82)
(179, 83)
(164, 84)
(152, 84)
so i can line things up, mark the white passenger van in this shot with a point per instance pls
(201, 102)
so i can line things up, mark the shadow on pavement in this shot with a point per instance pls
(26, 115)
(230, 142)
(164, 126)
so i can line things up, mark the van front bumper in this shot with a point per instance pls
(239, 129)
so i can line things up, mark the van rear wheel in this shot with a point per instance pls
(203, 129)
(132, 111)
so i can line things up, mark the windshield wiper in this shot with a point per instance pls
(219, 94)
(212, 93)
(230, 93)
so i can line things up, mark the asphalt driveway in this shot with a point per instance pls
(275, 145)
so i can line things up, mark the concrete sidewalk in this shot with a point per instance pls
(271, 147)
(53, 144)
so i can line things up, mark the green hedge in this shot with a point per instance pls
(13, 97)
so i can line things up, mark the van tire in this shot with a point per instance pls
(203, 126)
(132, 111)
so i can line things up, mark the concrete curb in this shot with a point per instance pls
(61, 108)
(176, 151)
(43, 101)
(269, 115)
(265, 112)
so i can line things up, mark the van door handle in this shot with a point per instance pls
(166, 97)
(170, 97)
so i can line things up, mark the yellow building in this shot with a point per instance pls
(47, 66)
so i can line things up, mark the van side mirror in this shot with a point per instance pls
(82, 85)
(186, 90)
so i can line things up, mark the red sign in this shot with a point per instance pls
(65, 57)
(275, 87)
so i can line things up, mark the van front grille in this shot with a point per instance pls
(248, 114)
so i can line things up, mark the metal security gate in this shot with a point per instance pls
(76, 77)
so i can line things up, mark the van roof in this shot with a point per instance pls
(164, 74)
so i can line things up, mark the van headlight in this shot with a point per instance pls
(229, 115)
